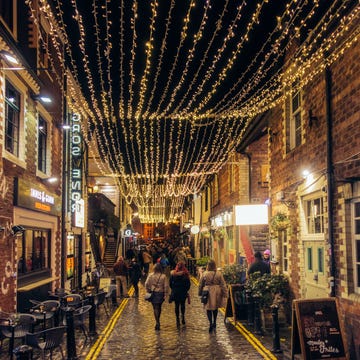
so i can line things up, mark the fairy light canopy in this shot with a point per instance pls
(171, 86)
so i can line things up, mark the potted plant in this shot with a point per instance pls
(234, 274)
(280, 221)
(201, 265)
(269, 290)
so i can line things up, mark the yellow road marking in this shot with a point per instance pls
(252, 340)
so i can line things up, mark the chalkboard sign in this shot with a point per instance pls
(236, 305)
(316, 330)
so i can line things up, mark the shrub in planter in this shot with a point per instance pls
(234, 273)
(202, 261)
(269, 289)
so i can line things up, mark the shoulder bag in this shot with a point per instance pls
(149, 295)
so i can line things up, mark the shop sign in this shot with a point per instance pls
(76, 165)
(33, 197)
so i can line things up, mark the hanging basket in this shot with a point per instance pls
(280, 221)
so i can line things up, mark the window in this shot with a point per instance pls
(285, 254)
(320, 253)
(356, 244)
(7, 13)
(206, 199)
(293, 116)
(42, 145)
(314, 213)
(309, 259)
(12, 119)
(33, 251)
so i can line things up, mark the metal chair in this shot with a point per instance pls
(100, 299)
(47, 340)
(16, 326)
(80, 315)
(46, 310)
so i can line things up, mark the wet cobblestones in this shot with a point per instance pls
(129, 333)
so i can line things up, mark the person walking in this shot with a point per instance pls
(214, 281)
(180, 285)
(147, 260)
(135, 276)
(157, 283)
(259, 265)
(121, 271)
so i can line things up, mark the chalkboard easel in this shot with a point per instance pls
(235, 305)
(317, 332)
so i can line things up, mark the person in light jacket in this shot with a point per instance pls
(157, 283)
(218, 292)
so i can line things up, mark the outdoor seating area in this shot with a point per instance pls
(48, 323)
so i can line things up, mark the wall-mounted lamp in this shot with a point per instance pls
(51, 180)
(8, 57)
(17, 230)
(43, 98)
(312, 119)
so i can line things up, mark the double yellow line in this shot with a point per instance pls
(102, 338)
(251, 339)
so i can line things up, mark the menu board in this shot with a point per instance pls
(236, 305)
(316, 329)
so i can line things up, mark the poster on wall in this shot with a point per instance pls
(70, 266)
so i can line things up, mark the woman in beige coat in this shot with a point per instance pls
(214, 281)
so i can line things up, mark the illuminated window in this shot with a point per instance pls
(33, 251)
(12, 119)
(314, 213)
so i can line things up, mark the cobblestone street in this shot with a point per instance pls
(128, 332)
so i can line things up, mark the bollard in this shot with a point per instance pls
(92, 316)
(70, 334)
(275, 329)
(257, 317)
(23, 352)
(250, 308)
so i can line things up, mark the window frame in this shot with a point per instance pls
(294, 117)
(310, 218)
(9, 20)
(355, 236)
(43, 146)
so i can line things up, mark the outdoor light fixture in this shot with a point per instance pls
(10, 58)
(43, 98)
(51, 180)
(17, 230)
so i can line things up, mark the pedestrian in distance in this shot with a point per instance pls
(266, 256)
(121, 271)
(135, 276)
(216, 285)
(259, 265)
(157, 283)
(180, 285)
(147, 260)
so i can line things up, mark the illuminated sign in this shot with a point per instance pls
(251, 214)
(29, 196)
(76, 166)
(80, 213)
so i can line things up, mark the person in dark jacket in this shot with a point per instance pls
(259, 265)
(135, 276)
(180, 285)
(121, 271)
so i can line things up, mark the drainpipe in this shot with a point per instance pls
(330, 179)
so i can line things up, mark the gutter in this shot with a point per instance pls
(330, 179)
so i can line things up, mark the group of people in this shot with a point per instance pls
(176, 286)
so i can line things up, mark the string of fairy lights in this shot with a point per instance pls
(170, 85)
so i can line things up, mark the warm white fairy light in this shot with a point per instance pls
(157, 177)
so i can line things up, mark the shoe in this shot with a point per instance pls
(157, 327)
(177, 323)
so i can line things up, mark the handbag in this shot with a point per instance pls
(149, 295)
(204, 296)
(171, 297)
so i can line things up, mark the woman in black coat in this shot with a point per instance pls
(180, 285)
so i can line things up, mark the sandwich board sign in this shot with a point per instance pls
(317, 332)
